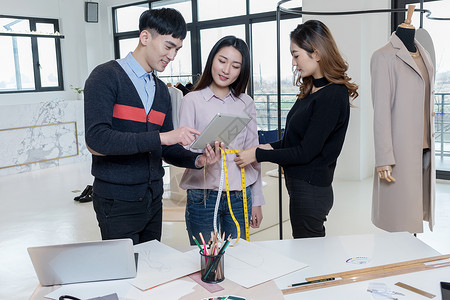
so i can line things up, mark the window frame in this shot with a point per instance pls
(196, 26)
(35, 53)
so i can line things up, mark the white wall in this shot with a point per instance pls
(357, 36)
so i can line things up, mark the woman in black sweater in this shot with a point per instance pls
(315, 128)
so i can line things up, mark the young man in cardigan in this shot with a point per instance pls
(129, 131)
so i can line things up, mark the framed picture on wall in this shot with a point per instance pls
(91, 12)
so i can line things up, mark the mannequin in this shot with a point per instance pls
(406, 31)
(402, 79)
(407, 34)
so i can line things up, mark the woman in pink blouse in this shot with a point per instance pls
(221, 88)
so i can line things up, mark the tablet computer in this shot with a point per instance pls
(223, 128)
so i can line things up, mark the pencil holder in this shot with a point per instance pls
(212, 267)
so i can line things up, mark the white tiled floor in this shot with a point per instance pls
(37, 208)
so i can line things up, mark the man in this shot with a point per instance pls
(129, 131)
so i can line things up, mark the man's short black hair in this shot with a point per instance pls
(165, 21)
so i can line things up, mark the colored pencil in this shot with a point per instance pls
(198, 244)
(313, 281)
(204, 244)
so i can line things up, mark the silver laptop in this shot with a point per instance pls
(84, 262)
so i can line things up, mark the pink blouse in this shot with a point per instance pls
(196, 111)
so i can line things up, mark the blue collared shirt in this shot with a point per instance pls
(142, 81)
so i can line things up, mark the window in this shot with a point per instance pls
(126, 27)
(209, 37)
(179, 70)
(127, 45)
(30, 55)
(127, 18)
(209, 20)
(183, 6)
(265, 72)
(258, 6)
(212, 10)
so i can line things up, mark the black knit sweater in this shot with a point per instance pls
(117, 125)
(314, 135)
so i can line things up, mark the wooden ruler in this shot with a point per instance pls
(373, 273)
(415, 290)
(389, 267)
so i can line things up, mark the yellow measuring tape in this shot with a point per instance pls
(244, 195)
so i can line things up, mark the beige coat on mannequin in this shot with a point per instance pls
(398, 91)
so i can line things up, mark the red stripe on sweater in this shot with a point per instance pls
(130, 113)
(156, 117)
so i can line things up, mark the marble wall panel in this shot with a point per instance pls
(42, 135)
(33, 144)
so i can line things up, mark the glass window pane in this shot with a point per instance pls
(127, 45)
(19, 25)
(218, 9)
(183, 6)
(47, 62)
(181, 65)
(265, 72)
(127, 18)
(16, 60)
(45, 28)
(209, 37)
(258, 6)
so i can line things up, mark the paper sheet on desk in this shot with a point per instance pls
(159, 264)
(249, 264)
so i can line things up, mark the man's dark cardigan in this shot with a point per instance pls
(117, 126)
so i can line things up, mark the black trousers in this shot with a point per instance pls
(309, 206)
(140, 221)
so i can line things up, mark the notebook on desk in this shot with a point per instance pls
(84, 262)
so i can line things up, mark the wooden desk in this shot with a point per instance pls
(324, 256)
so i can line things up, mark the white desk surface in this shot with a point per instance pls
(328, 255)
(323, 256)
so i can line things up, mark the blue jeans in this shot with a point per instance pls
(200, 213)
